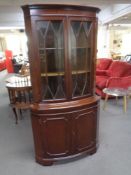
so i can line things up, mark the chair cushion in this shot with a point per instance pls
(119, 69)
(103, 63)
(101, 81)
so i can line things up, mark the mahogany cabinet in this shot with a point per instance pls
(62, 55)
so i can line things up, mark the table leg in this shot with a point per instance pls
(116, 99)
(106, 98)
(16, 117)
(125, 103)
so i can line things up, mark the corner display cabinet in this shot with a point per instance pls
(62, 54)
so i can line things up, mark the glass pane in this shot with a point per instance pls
(43, 61)
(42, 29)
(87, 27)
(53, 87)
(82, 38)
(50, 37)
(78, 60)
(80, 84)
(76, 27)
(51, 50)
(55, 62)
(80, 56)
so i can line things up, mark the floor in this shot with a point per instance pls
(112, 158)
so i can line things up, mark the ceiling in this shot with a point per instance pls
(11, 15)
(125, 19)
(98, 3)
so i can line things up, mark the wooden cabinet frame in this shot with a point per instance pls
(63, 127)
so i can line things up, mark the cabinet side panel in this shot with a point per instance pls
(37, 136)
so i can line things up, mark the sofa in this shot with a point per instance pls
(112, 74)
(2, 64)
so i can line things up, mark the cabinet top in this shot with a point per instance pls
(61, 6)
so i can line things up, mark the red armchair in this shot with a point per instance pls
(118, 74)
(2, 64)
(103, 63)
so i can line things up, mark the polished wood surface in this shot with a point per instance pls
(62, 54)
(65, 132)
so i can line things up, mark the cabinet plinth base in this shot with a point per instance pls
(67, 132)
(44, 161)
(49, 162)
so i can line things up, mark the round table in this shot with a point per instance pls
(20, 93)
(117, 92)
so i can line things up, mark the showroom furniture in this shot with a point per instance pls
(118, 75)
(127, 59)
(62, 55)
(20, 94)
(2, 64)
(25, 70)
(116, 92)
(102, 65)
(17, 67)
(9, 64)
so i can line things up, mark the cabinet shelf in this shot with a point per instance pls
(51, 48)
(79, 48)
(52, 74)
(80, 72)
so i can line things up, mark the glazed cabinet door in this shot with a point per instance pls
(51, 52)
(81, 55)
(64, 54)
(54, 135)
(84, 129)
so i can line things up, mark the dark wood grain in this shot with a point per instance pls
(66, 127)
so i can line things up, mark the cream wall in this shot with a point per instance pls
(103, 41)
(16, 42)
(113, 40)
(120, 40)
(126, 42)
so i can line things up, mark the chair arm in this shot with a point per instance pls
(102, 72)
(121, 82)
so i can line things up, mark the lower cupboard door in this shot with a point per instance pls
(85, 131)
(55, 136)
